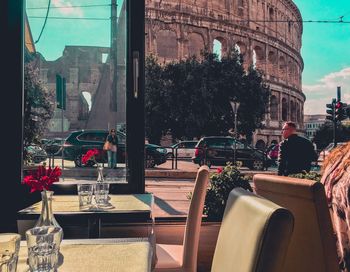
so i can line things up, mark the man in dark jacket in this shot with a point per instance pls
(295, 153)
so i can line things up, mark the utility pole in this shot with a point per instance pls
(235, 106)
(113, 55)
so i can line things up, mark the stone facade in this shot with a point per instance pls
(83, 67)
(270, 30)
(313, 123)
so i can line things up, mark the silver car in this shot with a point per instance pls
(183, 149)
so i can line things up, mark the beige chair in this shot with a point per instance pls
(312, 246)
(254, 235)
(184, 257)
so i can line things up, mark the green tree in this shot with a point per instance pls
(324, 135)
(155, 101)
(254, 100)
(38, 106)
(191, 98)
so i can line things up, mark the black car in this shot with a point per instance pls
(79, 142)
(218, 150)
(53, 146)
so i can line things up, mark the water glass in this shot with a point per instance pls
(43, 248)
(9, 248)
(101, 193)
(85, 192)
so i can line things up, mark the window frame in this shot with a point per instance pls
(13, 74)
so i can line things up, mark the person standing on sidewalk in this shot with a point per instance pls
(112, 152)
(295, 152)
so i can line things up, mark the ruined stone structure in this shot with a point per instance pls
(269, 30)
(83, 67)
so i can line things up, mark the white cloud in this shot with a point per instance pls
(67, 8)
(321, 93)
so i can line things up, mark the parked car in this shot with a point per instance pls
(54, 146)
(218, 150)
(324, 153)
(36, 153)
(184, 149)
(79, 142)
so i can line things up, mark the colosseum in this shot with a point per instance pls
(267, 33)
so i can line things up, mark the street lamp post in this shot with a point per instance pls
(235, 105)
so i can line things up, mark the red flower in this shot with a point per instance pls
(90, 155)
(219, 170)
(42, 178)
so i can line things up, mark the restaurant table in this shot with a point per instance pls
(107, 255)
(136, 208)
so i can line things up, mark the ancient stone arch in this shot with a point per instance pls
(260, 56)
(293, 111)
(198, 22)
(272, 62)
(224, 45)
(83, 113)
(167, 45)
(282, 67)
(273, 108)
(298, 113)
(260, 144)
(195, 43)
(284, 109)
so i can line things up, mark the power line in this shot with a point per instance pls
(62, 7)
(42, 29)
(69, 18)
(340, 21)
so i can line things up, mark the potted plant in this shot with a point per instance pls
(221, 184)
(307, 175)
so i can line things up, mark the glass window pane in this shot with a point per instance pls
(75, 82)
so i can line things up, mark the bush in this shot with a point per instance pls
(307, 175)
(221, 184)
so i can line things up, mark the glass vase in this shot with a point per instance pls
(47, 218)
(100, 177)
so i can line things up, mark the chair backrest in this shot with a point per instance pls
(194, 220)
(312, 246)
(254, 234)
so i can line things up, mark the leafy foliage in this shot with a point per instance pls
(38, 108)
(191, 98)
(221, 184)
(307, 175)
(324, 135)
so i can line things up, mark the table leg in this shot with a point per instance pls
(94, 227)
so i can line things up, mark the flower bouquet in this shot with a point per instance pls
(90, 156)
(47, 233)
(41, 180)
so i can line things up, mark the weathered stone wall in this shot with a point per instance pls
(272, 29)
(82, 67)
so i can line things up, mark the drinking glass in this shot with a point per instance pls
(43, 248)
(85, 192)
(101, 193)
(9, 248)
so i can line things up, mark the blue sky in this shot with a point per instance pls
(325, 51)
(325, 47)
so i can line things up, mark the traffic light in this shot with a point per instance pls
(340, 111)
(331, 110)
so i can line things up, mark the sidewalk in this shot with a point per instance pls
(170, 187)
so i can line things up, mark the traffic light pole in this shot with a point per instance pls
(332, 117)
(334, 133)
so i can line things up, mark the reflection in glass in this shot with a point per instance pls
(77, 61)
